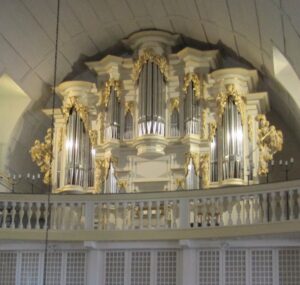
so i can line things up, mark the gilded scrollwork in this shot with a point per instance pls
(122, 184)
(110, 84)
(269, 142)
(101, 120)
(129, 107)
(60, 138)
(72, 102)
(250, 128)
(238, 100)
(149, 55)
(41, 154)
(192, 77)
(93, 134)
(204, 169)
(212, 130)
(204, 114)
(180, 183)
(174, 104)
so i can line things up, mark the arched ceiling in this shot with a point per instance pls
(250, 28)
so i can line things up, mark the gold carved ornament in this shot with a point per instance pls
(250, 128)
(101, 172)
(129, 107)
(237, 98)
(93, 134)
(109, 85)
(41, 154)
(212, 131)
(204, 169)
(149, 55)
(203, 133)
(180, 183)
(192, 77)
(101, 119)
(72, 102)
(269, 142)
(174, 104)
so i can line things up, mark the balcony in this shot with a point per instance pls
(199, 214)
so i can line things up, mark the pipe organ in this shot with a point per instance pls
(159, 120)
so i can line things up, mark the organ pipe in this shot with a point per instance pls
(232, 147)
(78, 148)
(151, 101)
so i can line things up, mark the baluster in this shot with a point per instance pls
(37, 215)
(125, 216)
(213, 212)
(273, 206)
(247, 209)
(54, 215)
(149, 214)
(29, 214)
(282, 205)
(166, 213)
(229, 209)
(157, 214)
(256, 208)
(291, 204)
(265, 207)
(141, 208)
(238, 210)
(221, 208)
(209, 212)
(98, 209)
(46, 216)
(204, 212)
(5, 204)
(21, 214)
(13, 214)
(132, 220)
(194, 214)
(175, 214)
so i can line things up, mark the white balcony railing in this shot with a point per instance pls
(179, 210)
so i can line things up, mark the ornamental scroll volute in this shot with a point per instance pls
(149, 55)
(72, 102)
(269, 142)
(192, 77)
(237, 98)
(109, 85)
(41, 154)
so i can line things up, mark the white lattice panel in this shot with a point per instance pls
(166, 267)
(140, 267)
(54, 268)
(289, 266)
(8, 262)
(235, 267)
(114, 267)
(29, 268)
(262, 262)
(209, 267)
(76, 269)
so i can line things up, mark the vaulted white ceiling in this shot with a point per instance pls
(250, 28)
